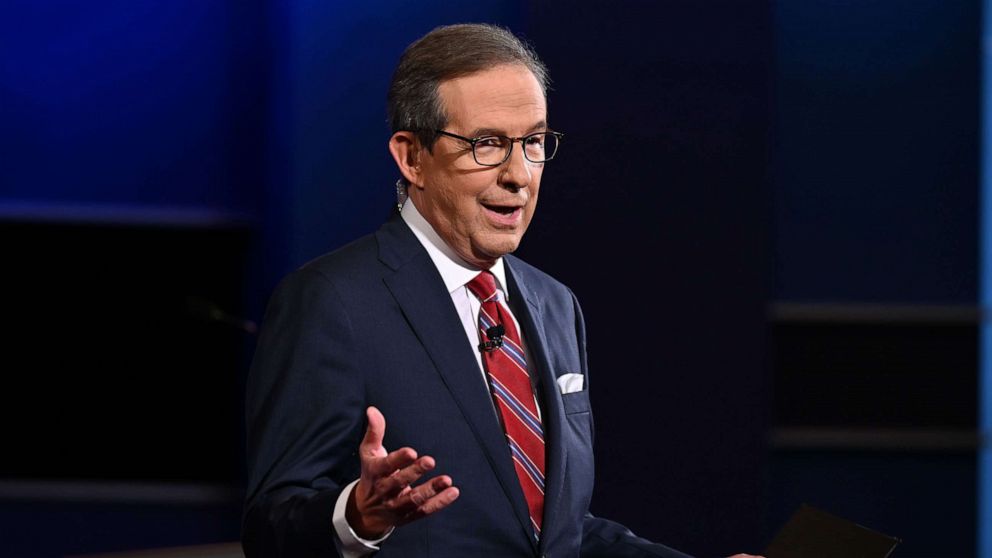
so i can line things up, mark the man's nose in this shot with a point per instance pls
(517, 172)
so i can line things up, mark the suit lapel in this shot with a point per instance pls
(526, 307)
(418, 289)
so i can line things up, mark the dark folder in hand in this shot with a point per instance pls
(812, 533)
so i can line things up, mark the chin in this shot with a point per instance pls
(495, 245)
(498, 250)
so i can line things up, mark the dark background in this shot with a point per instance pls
(769, 212)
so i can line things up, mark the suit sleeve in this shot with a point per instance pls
(602, 538)
(304, 408)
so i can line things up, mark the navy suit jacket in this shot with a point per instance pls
(372, 324)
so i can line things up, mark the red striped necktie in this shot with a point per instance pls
(509, 383)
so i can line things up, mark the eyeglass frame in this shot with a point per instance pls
(512, 140)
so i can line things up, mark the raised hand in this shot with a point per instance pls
(384, 496)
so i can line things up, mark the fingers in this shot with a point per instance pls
(420, 495)
(405, 476)
(376, 468)
(438, 496)
(373, 434)
(398, 502)
(405, 458)
(375, 461)
(385, 489)
(396, 493)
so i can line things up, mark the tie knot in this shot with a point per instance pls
(483, 286)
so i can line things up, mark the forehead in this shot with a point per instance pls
(506, 99)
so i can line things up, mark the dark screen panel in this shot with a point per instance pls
(119, 360)
(876, 375)
(875, 151)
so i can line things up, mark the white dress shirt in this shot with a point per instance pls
(456, 274)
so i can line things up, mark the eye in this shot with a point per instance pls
(490, 142)
(536, 140)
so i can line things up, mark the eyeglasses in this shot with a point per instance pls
(493, 151)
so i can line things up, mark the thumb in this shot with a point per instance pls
(374, 433)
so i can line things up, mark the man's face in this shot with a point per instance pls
(482, 212)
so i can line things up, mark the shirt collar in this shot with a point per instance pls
(455, 272)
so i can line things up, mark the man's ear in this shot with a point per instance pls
(406, 151)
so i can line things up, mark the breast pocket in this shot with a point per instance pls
(580, 468)
(577, 402)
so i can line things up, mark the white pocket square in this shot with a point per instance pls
(570, 383)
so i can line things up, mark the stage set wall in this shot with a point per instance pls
(739, 186)
(875, 315)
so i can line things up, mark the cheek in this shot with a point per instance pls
(532, 201)
(461, 209)
(450, 200)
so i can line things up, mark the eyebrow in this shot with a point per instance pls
(479, 132)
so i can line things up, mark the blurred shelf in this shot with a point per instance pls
(876, 439)
(118, 492)
(846, 313)
(123, 215)
(220, 550)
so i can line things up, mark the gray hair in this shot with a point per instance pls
(446, 53)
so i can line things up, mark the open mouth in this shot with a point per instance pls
(501, 209)
(504, 215)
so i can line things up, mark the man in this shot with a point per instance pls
(476, 359)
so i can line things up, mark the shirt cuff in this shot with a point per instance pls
(350, 544)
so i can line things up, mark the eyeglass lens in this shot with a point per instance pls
(538, 148)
